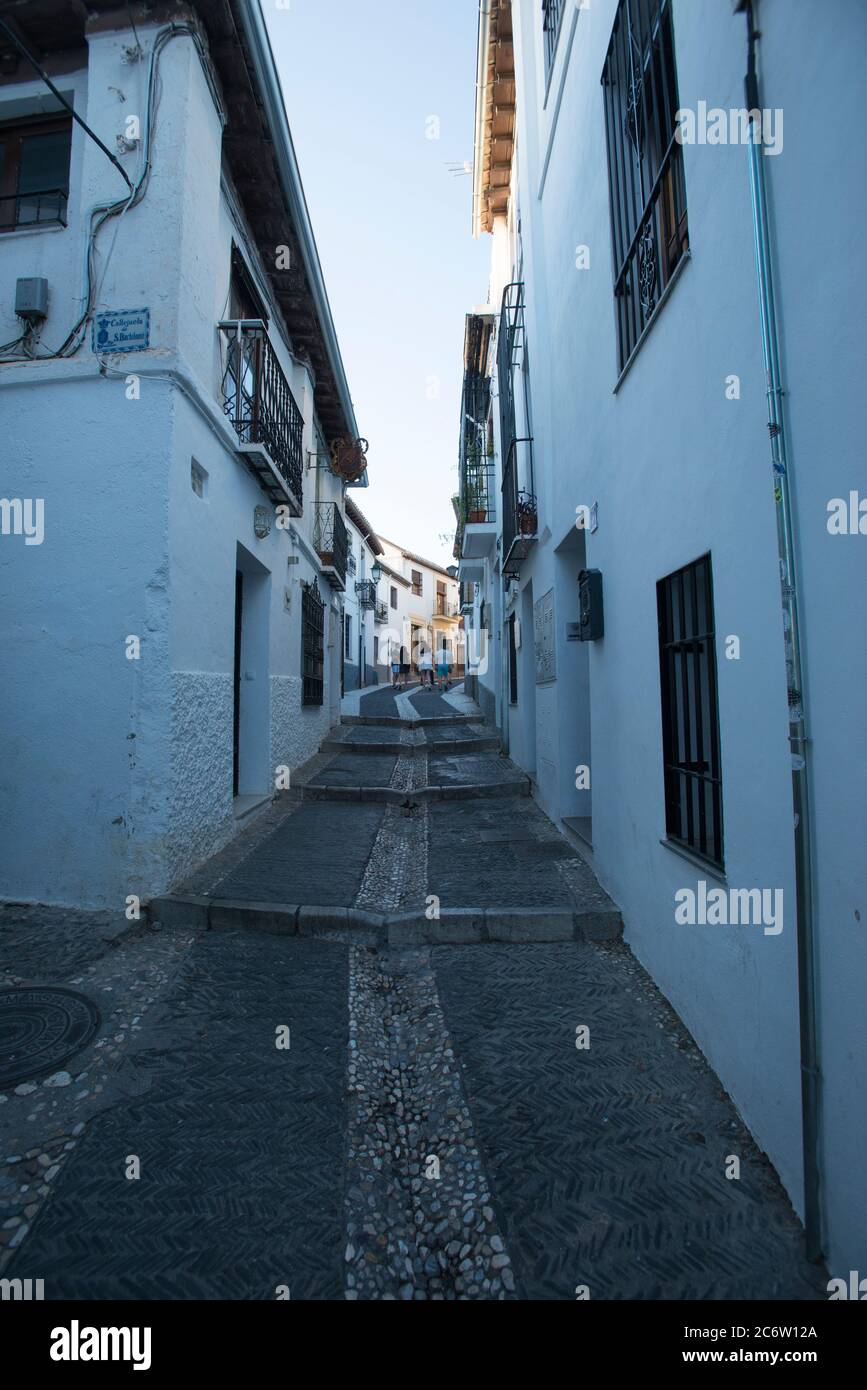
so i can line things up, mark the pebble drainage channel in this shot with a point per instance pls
(419, 1217)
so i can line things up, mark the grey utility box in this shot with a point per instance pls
(31, 298)
(590, 624)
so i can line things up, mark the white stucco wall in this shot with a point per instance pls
(118, 776)
(678, 470)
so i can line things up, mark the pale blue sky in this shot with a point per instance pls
(360, 79)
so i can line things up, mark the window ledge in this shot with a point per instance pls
(663, 300)
(695, 859)
(12, 233)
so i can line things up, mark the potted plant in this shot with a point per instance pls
(528, 522)
(476, 500)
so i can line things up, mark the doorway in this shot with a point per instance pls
(251, 712)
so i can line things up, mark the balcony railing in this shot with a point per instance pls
(365, 590)
(520, 512)
(261, 407)
(478, 491)
(331, 542)
(380, 614)
(445, 607)
(552, 16)
(33, 209)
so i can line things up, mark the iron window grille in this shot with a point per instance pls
(365, 590)
(519, 498)
(690, 711)
(417, 583)
(647, 192)
(552, 18)
(312, 644)
(258, 401)
(34, 172)
(330, 538)
(513, 663)
(380, 612)
(393, 596)
(351, 564)
(477, 495)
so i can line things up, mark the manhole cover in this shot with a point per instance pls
(40, 1029)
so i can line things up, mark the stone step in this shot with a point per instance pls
(395, 796)
(462, 926)
(409, 750)
(393, 721)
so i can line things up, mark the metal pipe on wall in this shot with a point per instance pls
(798, 738)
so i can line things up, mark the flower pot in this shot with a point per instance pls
(326, 557)
(527, 524)
(476, 516)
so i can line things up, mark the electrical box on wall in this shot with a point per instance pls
(590, 622)
(31, 298)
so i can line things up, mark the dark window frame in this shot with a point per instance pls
(646, 184)
(418, 583)
(12, 136)
(312, 645)
(689, 698)
(513, 662)
(552, 23)
(393, 595)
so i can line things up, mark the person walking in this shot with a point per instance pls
(425, 667)
(443, 668)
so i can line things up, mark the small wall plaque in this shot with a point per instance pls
(127, 330)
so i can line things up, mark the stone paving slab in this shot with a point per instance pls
(241, 1144)
(607, 1165)
(506, 854)
(348, 769)
(317, 855)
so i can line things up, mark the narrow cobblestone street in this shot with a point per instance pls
(434, 1129)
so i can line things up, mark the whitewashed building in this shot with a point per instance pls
(175, 406)
(419, 607)
(360, 632)
(669, 363)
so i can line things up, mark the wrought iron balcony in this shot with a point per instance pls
(446, 607)
(263, 411)
(520, 511)
(365, 590)
(331, 542)
(380, 612)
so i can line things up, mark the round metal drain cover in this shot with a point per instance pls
(40, 1029)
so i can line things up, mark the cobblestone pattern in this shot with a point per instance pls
(318, 856)
(205, 882)
(241, 1144)
(608, 1164)
(497, 853)
(43, 1122)
(419, 1219)
(395, 879)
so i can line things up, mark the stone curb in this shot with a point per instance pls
(456, 926)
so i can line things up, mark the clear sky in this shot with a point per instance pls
(361, 80)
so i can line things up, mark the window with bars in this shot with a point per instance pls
(513, 662)
(393, 595)
(552, 18)
(690, 711)
(645, 164)
(417, 582)
(312, 645)
(34, 171)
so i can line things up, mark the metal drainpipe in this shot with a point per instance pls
(798, 741)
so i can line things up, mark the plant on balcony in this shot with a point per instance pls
(476, 500)
(527, 517)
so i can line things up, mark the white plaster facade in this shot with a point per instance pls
(429, 618)
(679, 468)
(118, 773)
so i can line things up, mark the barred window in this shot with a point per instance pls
(690, 712)
(312, 648)
(645, 164)
(552, 18)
